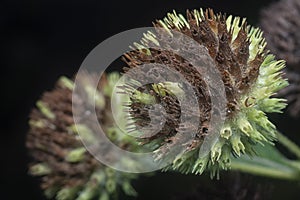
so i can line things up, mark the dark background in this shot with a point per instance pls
(42, 40)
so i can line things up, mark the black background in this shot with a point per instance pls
(42, 40)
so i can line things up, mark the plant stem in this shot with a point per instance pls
(264, 171)
(290, 145)
(295, 164)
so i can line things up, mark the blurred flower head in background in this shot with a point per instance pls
(281, 25)
(67, 170)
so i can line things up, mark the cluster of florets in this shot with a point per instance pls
(251, 76)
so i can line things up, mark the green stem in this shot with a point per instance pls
(290, 145)
(261, 170)
(294, 164)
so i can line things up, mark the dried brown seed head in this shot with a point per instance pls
(67, 169)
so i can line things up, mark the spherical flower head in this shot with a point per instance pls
(280, 23)
(250, 76)
(67, 170)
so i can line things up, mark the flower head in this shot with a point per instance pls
(280, 22)
(66, 169)
(250, 76)
(281, 26)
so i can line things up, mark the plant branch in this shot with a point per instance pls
(287, 143)
(262, 167)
